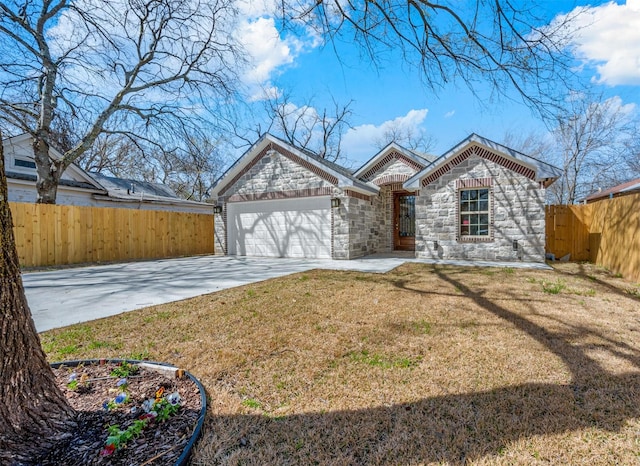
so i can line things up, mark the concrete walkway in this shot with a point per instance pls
(67, 296)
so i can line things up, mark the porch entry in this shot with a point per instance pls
(404, 215)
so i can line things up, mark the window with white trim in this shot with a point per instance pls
(474, 219)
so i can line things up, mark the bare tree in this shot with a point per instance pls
(189, 167)
(632, 148)
(306, 128)
(535, 144)
(192, 169)
(591, 141)
(502, 43)
(111, 67)
(409, 137)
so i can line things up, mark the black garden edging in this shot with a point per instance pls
(184, 457)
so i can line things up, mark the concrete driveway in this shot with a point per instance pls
(67, 296)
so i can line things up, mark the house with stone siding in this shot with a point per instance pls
(480, 200)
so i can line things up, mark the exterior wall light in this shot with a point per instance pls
(335, 202)
(435, 245)
(515, 244)
(217, 209)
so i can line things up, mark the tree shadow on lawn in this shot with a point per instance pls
(453, 428)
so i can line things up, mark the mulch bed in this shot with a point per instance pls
(159, 443)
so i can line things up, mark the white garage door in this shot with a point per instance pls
(283, 228)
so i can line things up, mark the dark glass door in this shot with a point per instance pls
(405, 222)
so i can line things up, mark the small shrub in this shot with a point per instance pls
(124, 369)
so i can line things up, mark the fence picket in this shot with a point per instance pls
(63, 234)
(605, 232)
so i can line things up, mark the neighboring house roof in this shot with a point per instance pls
(342, 177)
(621, 189)
(62, 182)
(417, 161)
(122, 189)
(529, 166)
(133, 188)
(101, 186)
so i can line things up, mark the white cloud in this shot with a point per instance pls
(267, 50)
(450, 114)
(614, 105)
(360, 142)
(607, 37)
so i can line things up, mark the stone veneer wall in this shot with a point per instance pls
(518, 214)
(395, 168)
(386, 240)
(220, 232)
(276, 173)
(358, 227)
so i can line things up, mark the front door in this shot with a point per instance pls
(404, 213)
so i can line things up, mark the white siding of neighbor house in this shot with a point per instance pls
(26, 192)
(518, 209)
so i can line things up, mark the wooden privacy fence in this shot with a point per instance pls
(63, 234)
(606, 233)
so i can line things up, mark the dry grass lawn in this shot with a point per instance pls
(422, 365)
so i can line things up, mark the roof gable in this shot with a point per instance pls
(475, 145)
(392, 152)
(21, 146)
(328, 171)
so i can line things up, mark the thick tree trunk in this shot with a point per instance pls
(34, 414)
(48, 173)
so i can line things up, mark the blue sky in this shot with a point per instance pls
(607, 52)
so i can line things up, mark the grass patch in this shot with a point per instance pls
(553, 287)
(251, 403)
(422, 326)
(378, 360)
(310, 371)
(68, 350)
(633, 291)
(95, 344)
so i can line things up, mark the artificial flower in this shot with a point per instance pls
(147, 405)
(108, 450)
(173, 398)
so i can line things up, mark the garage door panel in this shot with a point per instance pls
(283, 228)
